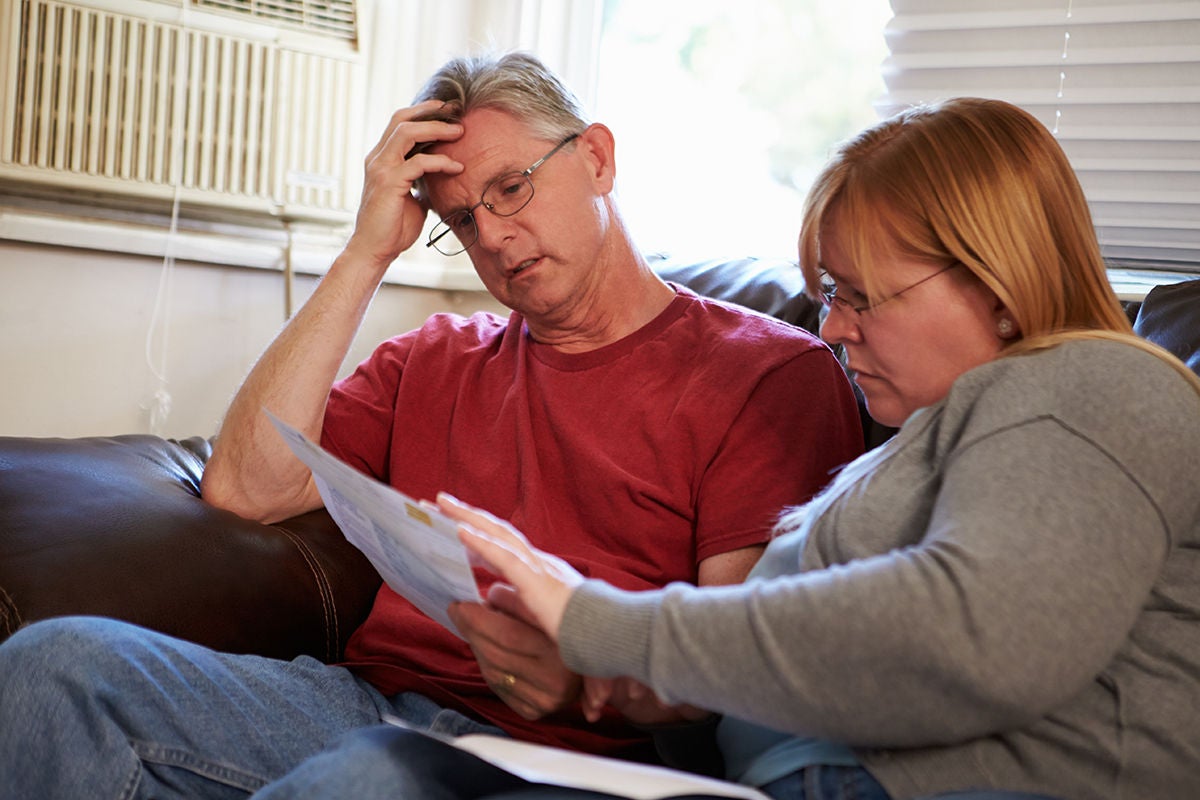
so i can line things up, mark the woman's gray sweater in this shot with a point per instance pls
(1006, 594)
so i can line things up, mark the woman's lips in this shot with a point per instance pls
(858, 373)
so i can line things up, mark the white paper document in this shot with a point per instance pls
(541, 763)
(414, 547)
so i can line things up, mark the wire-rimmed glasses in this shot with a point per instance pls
(831, 298)
(504, 197)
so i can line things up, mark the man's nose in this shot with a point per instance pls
(493, 230)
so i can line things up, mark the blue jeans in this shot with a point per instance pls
(827, 783)
(855, 783)
(101, 709)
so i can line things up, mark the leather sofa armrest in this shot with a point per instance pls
(116, 527)
(1169, 316)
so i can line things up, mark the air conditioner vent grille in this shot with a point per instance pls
(108, 103)
(325, 17)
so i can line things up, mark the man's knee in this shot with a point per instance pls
(49, 644)
(386, 762)
(389, 754)
(430, 768)
(56, 654)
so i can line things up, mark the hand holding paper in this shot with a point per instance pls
(413, 546)
(544, 582)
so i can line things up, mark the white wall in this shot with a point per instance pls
(74, 324)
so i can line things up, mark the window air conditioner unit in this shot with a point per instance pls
(252, 107)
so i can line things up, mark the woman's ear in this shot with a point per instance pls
(598, 147)
(1006, 324)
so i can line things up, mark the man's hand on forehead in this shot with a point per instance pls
(392, 211)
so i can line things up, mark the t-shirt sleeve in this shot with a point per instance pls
(360, 414)
(798, 425)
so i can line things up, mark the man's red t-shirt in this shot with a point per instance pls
(634, 462)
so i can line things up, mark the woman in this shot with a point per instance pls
(1004, 595)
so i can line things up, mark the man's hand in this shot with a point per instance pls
(636, 701)
(390, 217)
(518, 661)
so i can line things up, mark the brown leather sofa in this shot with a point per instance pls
(115, 526)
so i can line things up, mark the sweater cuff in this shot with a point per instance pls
(605, 631)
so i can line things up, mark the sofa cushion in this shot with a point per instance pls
(115, 527)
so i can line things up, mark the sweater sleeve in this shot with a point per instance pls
(1024, 584)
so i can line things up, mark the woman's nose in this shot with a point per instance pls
(840, 325)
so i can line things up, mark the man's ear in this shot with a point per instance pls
(598, 147)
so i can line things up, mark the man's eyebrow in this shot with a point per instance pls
(500, 172)
(497, 174)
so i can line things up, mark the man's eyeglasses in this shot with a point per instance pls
(831, 298)
(504, 197)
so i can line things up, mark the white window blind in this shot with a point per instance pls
(1117, 80)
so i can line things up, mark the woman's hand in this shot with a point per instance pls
(543, 582)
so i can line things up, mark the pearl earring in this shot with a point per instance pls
(1005, 328)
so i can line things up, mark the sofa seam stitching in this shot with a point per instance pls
(324, 589)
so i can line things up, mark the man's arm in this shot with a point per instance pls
(728, 568)
(251, 471)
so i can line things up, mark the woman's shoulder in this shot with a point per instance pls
(1084, 372)
(1105, 390)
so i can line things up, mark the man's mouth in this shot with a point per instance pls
(524, 265)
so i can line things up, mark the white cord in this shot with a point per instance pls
(1062, 73)
(160, 317)
(160, 324)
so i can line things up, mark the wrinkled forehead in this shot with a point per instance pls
(493, 143)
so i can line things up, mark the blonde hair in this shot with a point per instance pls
(984, 183)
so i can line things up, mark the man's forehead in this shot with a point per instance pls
(493, 143)
(485, 130)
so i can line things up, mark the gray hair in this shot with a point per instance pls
(517, 83)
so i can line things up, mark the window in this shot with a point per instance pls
(724, 113)
(1117, 80)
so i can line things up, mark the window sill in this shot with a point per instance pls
(1131, 283)
(311, 250)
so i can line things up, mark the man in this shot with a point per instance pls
(644, 434)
